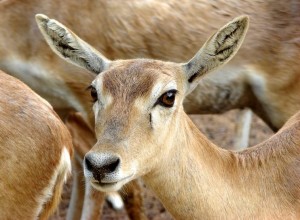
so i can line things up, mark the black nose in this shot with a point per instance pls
(101, 165)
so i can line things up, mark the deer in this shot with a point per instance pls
(36, 151)
(143, 131)
(155, 31)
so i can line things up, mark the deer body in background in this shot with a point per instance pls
(35, 153)
(143, 131)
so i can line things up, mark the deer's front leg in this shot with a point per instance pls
(133, 200)
(77, 194)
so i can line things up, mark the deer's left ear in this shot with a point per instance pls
(217, 51)
(70, 47)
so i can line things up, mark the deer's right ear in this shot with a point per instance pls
(69, 46)
(217, 51)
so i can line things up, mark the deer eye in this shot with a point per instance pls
(167, 99)
(94, 94)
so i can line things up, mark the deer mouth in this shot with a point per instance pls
(104, 186)
(110, 185)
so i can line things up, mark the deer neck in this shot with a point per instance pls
(185, 178)
(200, 180)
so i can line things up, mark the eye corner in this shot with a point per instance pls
(93, 93)
(88, 88)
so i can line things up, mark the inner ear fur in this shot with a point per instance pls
(218, 49)
(69, 46)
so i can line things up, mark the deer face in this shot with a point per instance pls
(136, 106)
(137, 103)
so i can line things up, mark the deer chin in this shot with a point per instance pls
(111, 185)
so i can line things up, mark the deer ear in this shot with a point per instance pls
(69, 46)
(217, 51)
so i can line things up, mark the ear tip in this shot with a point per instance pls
(41, 18)
(243, 19)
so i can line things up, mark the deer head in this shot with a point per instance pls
(138, 103)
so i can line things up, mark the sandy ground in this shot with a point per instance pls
(218, 128)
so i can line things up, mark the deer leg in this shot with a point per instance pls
(77, 195)
(93, 203)
(242, 129)
(133, 200)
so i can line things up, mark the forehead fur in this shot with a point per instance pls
(131, 79)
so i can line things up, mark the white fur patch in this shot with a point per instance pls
(241, 140)
(160, 87)
(102, 100)
(65, 163)
(259, 87)
(158, 112)
(258, 83)
(156, 91)
(64, 167)
(115, 200)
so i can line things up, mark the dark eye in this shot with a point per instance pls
(167, 99)
(94, 94)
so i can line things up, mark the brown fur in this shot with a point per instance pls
(265, 177)
(138, 71)
(32, 139)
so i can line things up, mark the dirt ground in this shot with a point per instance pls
(218, 128)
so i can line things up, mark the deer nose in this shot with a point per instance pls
(101, 164)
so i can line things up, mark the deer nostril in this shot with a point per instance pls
(89, 163)
(112, 166)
